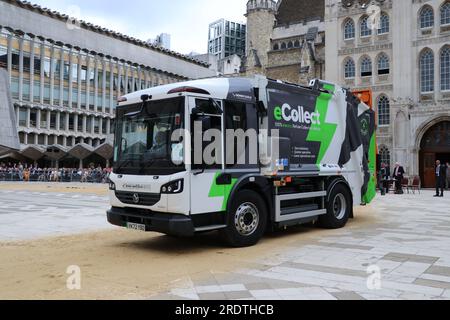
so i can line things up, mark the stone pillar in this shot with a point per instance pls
(103, 85)
(111, 86)
(96, 84)
(42, 76)
(75, 122)
(119, 79)
(10, 56)
(70, 97)
(49, 117)
(20, 68)
(58, 120)
(125, 86)
(17, 111)
(108, 126)
(88, 81)
(84, 123)
(92, 125)
(28, 120)
(61, 78)
(67, 122)
(79, 84)
(52, 75)
(38, 119)
(32, 70)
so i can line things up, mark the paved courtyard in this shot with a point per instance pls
(28, 214)
(406, 239)
(396, 248)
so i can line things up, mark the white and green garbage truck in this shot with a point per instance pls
(241, 156)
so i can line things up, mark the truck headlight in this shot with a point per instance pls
(112, 186)
(173, 187)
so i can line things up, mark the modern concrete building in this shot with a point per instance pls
(285, 39)
(401, 51)
(226, 38)
(9, 139)
(66, 76)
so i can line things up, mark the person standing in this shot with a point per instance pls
(448, 175)
(441, 176)
(399, 171)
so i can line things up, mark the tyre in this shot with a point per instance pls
(338, 208)
(246, 220)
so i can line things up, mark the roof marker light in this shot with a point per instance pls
(188, 89)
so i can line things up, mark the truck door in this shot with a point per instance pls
(206, 155)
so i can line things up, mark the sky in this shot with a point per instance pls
(185, 20)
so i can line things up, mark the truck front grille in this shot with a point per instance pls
(136, 198)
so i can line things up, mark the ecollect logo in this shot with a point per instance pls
(299, 115)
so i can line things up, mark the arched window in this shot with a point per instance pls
(445, 13)
(385, 156)
(384, 111)
(276, 46)
(349, 29)
(290, 45)
(283, 45)
(445, 68)
(366, 67)
(349, 69)
(383, 64)
(365, 29)
(384, 24)
(297, 44)
(426, 17)
(426, 71)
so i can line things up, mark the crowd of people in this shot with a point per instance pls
(442, 175)
(34, 173)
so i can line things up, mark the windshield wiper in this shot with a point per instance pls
(123, 164)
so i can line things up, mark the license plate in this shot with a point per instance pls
(136, 226)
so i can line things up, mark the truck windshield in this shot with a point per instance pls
(143, 142)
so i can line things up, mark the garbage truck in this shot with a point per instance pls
(242, 156)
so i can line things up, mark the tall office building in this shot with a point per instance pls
(66, 76)
(226, 38)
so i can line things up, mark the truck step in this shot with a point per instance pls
(299, 209)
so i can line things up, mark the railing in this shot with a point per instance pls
(50, 176)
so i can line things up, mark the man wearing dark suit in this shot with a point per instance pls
(399, 171)
(441, 176)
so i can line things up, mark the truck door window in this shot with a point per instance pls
(241, 117)
(209, 119)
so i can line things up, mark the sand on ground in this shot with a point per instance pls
(60, 187)
(122, 264)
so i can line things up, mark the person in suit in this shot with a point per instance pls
(448, 175)
(441, 176)
(384, 177)
(399, 171)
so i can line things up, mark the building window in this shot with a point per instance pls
(385, 156)
(426, 17)
(349, 69)
(349, 30)
(445, 69)
(365, 29)
(366, 67)
(290, 45)
(427, 71)
(297, 44)
(384, 24)
(283, 46)
(383, 64)
(384, 110)
(445, 13)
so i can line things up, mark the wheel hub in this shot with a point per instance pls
(246, 219)
(339, 206)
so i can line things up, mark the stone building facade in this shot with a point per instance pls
(285, 40)
(66, 76)
(401, 51)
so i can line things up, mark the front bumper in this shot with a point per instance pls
(167, 223)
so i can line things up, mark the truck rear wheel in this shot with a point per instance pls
(246, 220)
(338, 208)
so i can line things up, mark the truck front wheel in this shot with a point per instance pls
(246, 220)
(338, 208)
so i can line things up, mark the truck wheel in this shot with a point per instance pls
(246, 220)
(338, 208)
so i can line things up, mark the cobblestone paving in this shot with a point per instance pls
(29, 215)
(408, 241)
